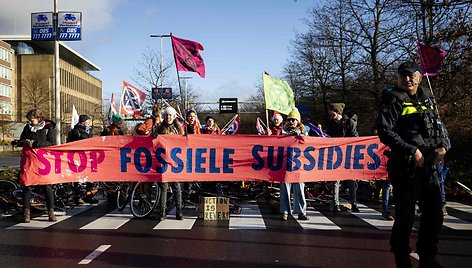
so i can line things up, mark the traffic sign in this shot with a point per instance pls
(161, 93)
(42, 27)
(69, 26)
(228, 105)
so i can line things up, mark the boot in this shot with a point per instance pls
(27, 214)
(51, 215)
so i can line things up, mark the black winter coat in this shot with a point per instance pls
(42, 135)
(78, 133)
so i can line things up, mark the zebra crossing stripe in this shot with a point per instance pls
(190, 216)
(42, 222)
(250, 218)
(456, 223)
(317, 221)
(373, 217)
(112, 220)
(459, 206)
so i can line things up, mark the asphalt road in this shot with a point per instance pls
(100, 236)
(10, 159)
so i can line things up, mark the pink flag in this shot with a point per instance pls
(431, 58)
(131, 100)
(187, 56)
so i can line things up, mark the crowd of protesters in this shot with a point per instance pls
(414, 154)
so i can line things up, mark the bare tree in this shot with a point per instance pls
(35, 93)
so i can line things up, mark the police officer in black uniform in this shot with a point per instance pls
(408, 123)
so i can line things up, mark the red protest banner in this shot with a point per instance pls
(205, 158)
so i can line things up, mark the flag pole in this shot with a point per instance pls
(178, 75)
(229, 123)
(265, 103)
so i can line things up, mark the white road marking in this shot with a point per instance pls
(317, 221)
(373, 217)
(112, 220)
(94, 254)
(250, 218)
(172, 224)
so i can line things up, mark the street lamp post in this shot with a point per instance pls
(186, 90)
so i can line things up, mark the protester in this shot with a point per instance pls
(385, 199)
(38, 133)
(82, 130)
(149, 126)
(408, 124)
(192, 125)
(293, 127)
(170, 126)
(210, 126)
(276, 127)
(340, 125)
(115, 128)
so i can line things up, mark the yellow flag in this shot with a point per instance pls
(278, 95)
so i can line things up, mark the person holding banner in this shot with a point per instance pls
(408, 122)
(150, 125)
(170, 126)
(276, 127)
(293, 127)
(210, 126)
(38, 133)
(82, 130)
(340, 125)
(115, 128)
(192, 126)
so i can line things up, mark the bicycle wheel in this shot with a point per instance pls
(37, 202)
(122, 196)
(144, 198)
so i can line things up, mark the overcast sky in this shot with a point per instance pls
(241, 38)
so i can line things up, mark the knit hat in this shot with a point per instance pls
(116, 117)
(338, 107)
(277, 115)
(294, 114)
(170, 110)
(83, 118)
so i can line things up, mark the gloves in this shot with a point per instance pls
(29, 142)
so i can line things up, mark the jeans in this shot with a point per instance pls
(352, 184)
(27, 196)
(385, 196)
(299, 201)
(177, 190)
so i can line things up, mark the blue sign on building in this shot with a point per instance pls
(69, 26)
(42, 28)
(161, 93)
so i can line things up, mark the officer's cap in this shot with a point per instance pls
(408, 67)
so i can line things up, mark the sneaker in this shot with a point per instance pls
(179, 216)
(335, 209)
(285, 216)
(444, 210)
(302, 217)
(162, 218)
(354, 208)
(387, 216)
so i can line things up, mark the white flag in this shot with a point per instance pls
(75, 118)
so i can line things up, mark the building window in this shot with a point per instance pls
(5, 90)
(5, 108)
(5, 73)
(5, 54)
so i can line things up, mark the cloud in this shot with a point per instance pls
(15, 16)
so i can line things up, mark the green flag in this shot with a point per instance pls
(278, 95)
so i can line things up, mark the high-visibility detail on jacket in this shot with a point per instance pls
(410, 108)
